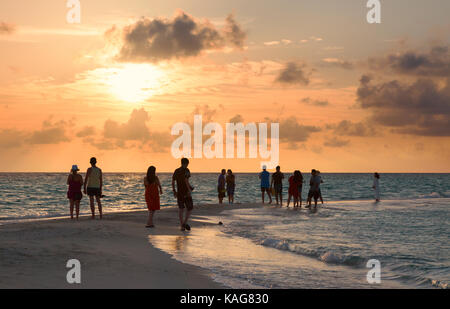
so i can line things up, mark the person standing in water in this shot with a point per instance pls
(376, 186)
(265, 184)
(314, 184)
(300, 189)
(221, 186)
(231, 184)
(321, 181)
(93, 186)
(75, 182)
(293, 192)
(183, 195)
(277, 183)
(152, 191)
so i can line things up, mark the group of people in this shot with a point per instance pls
(182, 189)
(226, 183)
(93, 184)
(275, 187)
(92, 187)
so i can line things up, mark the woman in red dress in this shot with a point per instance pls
(152, 191)
(294, 182)
(75, 181)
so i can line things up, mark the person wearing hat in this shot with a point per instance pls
(75, 182)
(93, 186)
(265, 183)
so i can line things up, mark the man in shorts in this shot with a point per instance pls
(93, 186)
(277, 183)
(183, 193)
(265, 185)
(314, 190)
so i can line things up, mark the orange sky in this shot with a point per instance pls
(349, 96)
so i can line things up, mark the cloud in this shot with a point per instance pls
(135, 129)
(233, 32)
(335, 142)
(293, 132)
(10, 138)
(436, 62)
(237, 118)
(133, 133)
(153, 40)
(51, 133)
(207, 113)
(421, 108)
(86, 131)
(6, 28)
(272, 43)
(349, 128)
(334, 62)
(293, 73)
(309, 101)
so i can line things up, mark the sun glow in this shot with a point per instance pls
(134, 82)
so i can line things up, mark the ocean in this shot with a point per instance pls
(269, 247)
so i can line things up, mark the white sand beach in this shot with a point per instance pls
(113, 252)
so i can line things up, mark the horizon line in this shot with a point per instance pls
(215, 172)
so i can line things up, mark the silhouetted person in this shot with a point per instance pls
(152, 191)
(314, 184)
(265, 184)
(221, 186)
(231, 185)
(376, 186)
(321, 181)
(94, 184)
(294, 183)
(75, 182)
(277, 183)
(300, 188)
(183, 193)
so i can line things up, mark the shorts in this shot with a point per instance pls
(221, 192)
(278, 188)
(93, 191)
(314, 194)
(185, 202)
(263, 189)
(230, 190)
(76, 196)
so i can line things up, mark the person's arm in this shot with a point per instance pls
(173, 185)
(271, 183)
(145, 181)
(101, 182)
(68, 178)
(88, 172)
(81, 178)
(159, 185)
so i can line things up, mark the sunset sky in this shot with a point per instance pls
(349, 96)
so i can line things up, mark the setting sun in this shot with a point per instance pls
(133, 82)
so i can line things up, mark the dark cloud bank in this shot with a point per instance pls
(153, 40)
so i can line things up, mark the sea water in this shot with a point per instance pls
(269, 247)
